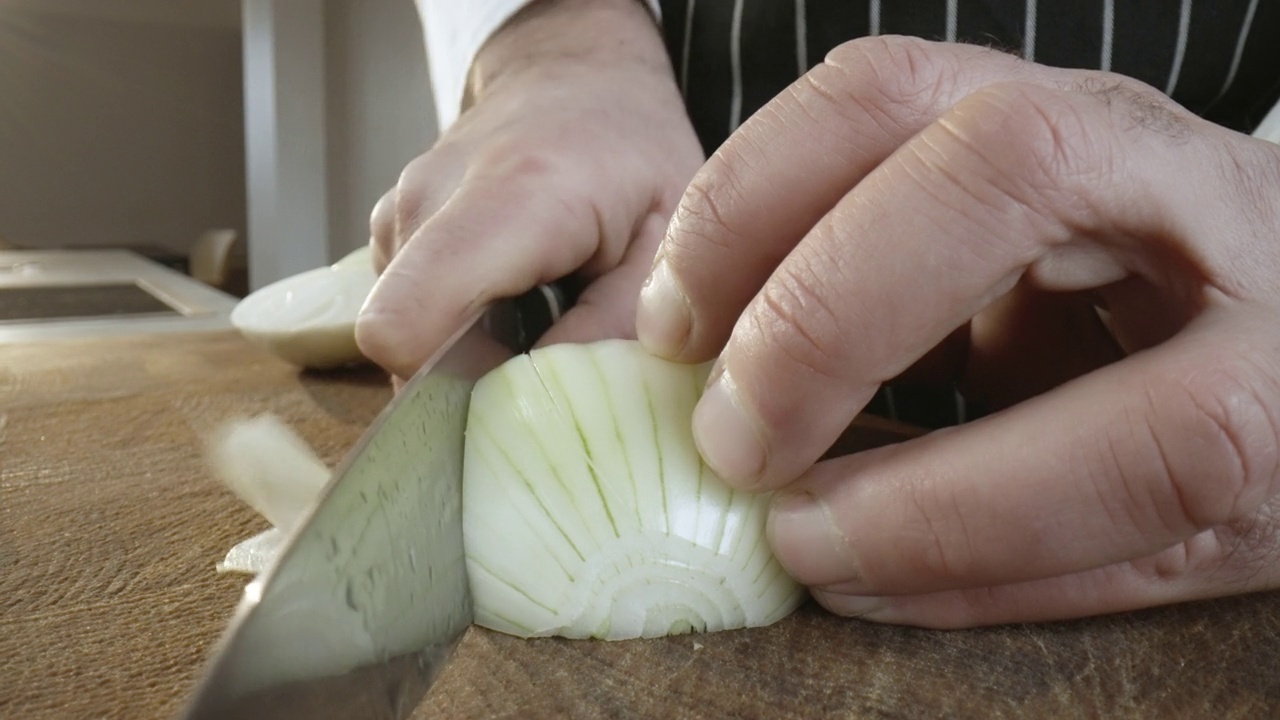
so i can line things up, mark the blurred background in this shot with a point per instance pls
(252, 136)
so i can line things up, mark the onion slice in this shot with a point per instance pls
(274, 472)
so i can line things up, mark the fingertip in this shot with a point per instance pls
(810, 545)
(727, 436)
(378, 339)
(663, 316)
(391, 328)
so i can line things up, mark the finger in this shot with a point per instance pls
(1119, 464)
(501, 233)
(1239, 558)
(607, 308)
(423, 186)
(1016, 180)
(759, 194)
(382, 231)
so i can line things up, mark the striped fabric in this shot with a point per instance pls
(1218, 58)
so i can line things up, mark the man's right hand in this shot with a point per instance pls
(570, 158)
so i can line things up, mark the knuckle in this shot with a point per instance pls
(895, 81)
(793, 316)
(902, 69)
(375, 339)
(408, 217)
(543, 185)
(516, 162)
(1238, 556)
(1171, 564)
(1058, 145)
(1053, 143)
(1220, 417)
(700, 223)
(1026, 152)
(823, 101)
(382, 219)
(1133, 105)
(945, 547)
(1249, 550)
(409, 206)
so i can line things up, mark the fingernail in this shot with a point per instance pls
(809, 543)
(727, 438)
(867, 607)
(662, 319)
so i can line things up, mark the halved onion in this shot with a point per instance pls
(309, 319)
(588, 512)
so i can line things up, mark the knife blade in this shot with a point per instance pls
(370, 596)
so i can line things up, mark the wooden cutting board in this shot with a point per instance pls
(109, 604)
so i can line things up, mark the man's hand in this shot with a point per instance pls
(1073, 247)
(570, 158)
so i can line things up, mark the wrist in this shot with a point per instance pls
(548, 33)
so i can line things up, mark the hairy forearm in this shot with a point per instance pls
(610, 33)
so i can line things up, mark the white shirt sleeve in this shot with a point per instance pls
(454, 31)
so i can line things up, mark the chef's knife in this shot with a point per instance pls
(369, 597)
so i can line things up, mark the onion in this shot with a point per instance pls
(309, 319)
(587, 510)
(274, 472)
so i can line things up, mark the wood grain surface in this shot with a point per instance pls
(110, 526)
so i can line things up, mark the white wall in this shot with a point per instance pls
(120, 121)
(379, 108)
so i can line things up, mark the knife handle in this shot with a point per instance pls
(518, 322)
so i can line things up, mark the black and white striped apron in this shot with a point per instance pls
(1218, 58)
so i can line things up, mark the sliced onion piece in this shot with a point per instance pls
(588, 512)
(309, 319)
(274, 472)
(254, 555)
